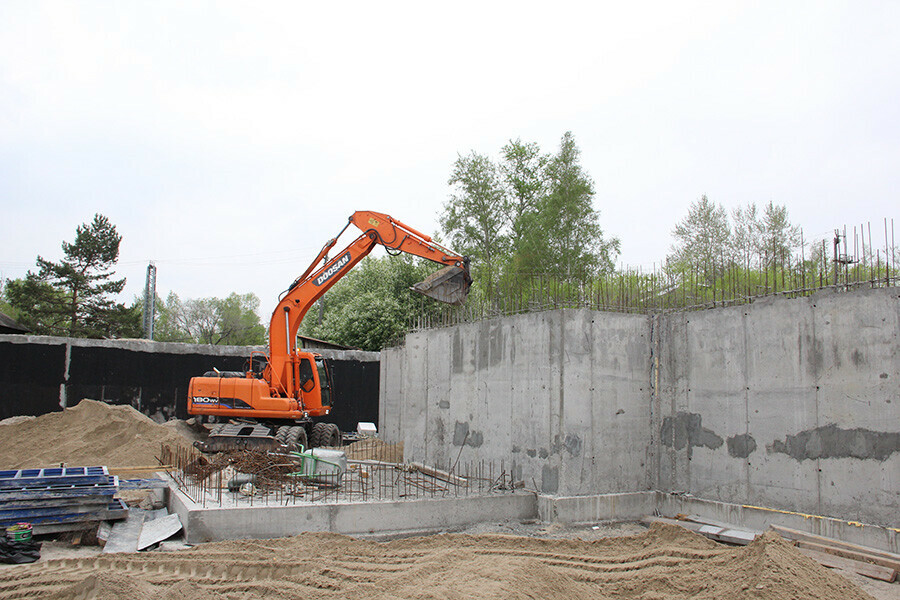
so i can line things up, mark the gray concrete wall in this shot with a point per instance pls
(792, 404)
(559, 396)
(788, 404)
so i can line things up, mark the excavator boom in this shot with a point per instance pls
(295, 386)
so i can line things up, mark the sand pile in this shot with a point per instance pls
(90, 434)
(665, 563)
(375, 449)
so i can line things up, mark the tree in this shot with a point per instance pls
(779, 236)
(74, 297)
(702, 239)
(232, 321)
(372, 305)
(477, 215)
(571, 244)
(747, 235)
(523, 167)
(769, 237)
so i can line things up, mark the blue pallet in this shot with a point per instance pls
(113, 510)
(71, 501)
(31, 513)
(59, 491)
(22, 478)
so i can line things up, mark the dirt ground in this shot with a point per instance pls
(508, 559)
(664, 562)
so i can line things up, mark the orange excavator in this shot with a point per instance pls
(280, 399)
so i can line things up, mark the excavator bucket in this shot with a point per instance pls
(450, 285)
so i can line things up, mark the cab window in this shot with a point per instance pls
(324, 381)
(306, 374)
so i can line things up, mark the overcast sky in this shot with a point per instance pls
(228, 141)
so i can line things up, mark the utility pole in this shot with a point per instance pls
(149, 301)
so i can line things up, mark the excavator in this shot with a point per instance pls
(280, 399)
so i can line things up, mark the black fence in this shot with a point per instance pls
(38, 374)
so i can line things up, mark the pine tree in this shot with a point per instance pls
(74, 297)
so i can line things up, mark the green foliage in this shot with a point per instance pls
(702, 239)
(708, 244)
(572, 243)
(232, 321)
(74, 297)
(523, 170)
(761, 241)
(372, 305)
(477, 216)
(5, 307)
(530, 214)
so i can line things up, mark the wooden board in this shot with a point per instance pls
(794, 534)
(866, 569)
(851, 554)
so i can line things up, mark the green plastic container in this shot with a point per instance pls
(20, 532)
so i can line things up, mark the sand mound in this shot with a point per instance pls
(90, 434)
(665, 563)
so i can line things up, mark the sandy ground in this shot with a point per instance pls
(491, 560)
(87, 435)
(509, 559)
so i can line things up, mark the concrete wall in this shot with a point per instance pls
(789, 404)
(560, 396)
(792, 404)
(40, 374)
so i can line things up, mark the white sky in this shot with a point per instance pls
(228, 141)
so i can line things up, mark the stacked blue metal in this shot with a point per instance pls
(59, 499)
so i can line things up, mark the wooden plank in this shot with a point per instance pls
(142, 484)
(866, 569)
(120, 470)
(438, 474)
(794, 534)
(851, 554)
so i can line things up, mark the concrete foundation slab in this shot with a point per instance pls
(366, 519)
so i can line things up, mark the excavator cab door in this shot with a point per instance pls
(324, 380)
(306, 380)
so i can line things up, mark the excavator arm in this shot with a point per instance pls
(450, 284)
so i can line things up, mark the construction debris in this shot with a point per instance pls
(438, 474)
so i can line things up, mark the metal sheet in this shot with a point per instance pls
(158, 530)
(123, 537)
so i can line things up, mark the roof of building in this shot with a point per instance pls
(311, 342)
(8, 325)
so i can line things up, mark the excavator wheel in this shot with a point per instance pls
(281, 434)
(296, 438)
(326, 434)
